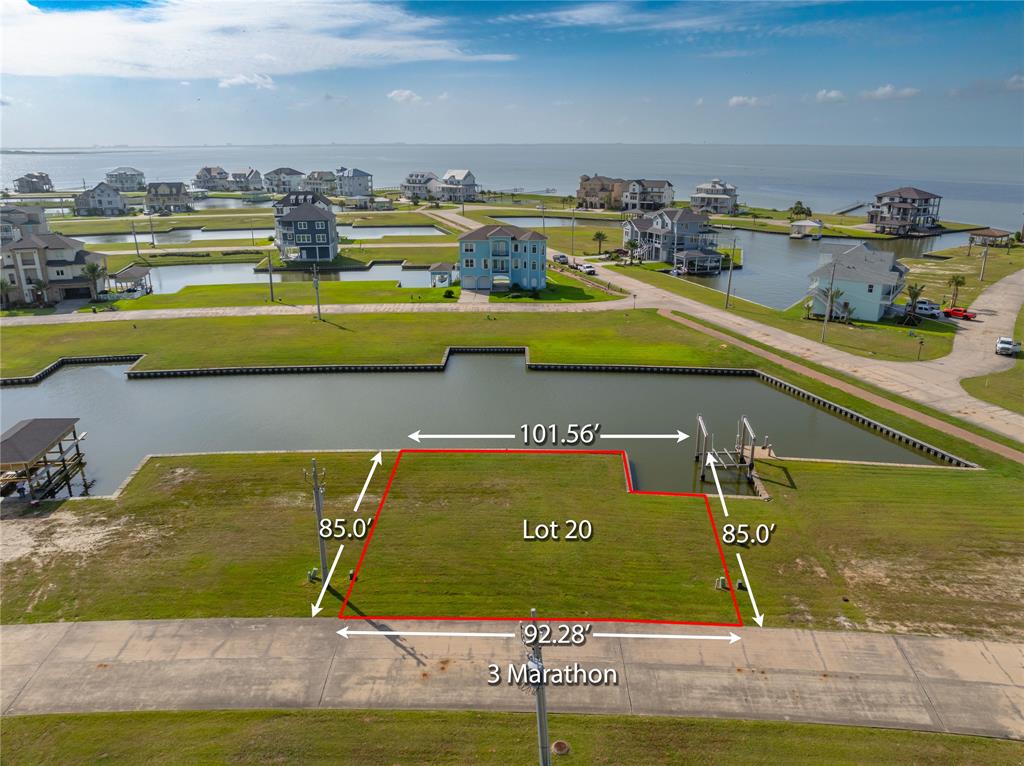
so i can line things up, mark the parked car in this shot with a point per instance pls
(586, 268)
(562, 258)
(923, 305)
(957, 312)
(1007, 346)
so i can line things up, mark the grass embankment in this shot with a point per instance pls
(116, 262)
(313, 737)
(561, 288)
(847, 225)
(935, 272)
(1005, 389)
(874, 339)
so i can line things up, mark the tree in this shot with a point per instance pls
(799, 210)
(632, 246)
(40, 286)
(6, 288)
(832, 295)
(94, 273)
(913, 293)
(567, 200)
(600, 237)
(956, 282)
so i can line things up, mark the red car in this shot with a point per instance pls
(958, 313)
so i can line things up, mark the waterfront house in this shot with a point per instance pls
(870, 281)
(677, 236)
(307, 233)
(415, 186)
(292, 200)
(455, 186)
(168, 197)
(606, 193)
(904, 210)
(33, 183)
(501, 256)
(127, 179)
(600, 192)
(247, 180)
(716, 197)
(320, 181)
(16, 222)
(353, 182)
(49, 265)
(212, 178)
(102, 199)
(645, 194)
(283, 180)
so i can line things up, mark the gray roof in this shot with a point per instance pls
(27, 440)
(653, 184)
(292, 199)
(125, 169)
(285, 172)
(321, 175)
(131, 274)
(42, 241)
(485, 233)
(307, 212)
(910, 192)
(860, 263)
(174, 187)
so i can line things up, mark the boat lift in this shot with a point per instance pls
(739, 458)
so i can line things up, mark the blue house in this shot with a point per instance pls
(307, 233)
(498, 257)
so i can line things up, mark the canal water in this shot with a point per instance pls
(171, 279)
(476, 394)
(260, 235)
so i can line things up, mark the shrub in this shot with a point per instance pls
(449, 293)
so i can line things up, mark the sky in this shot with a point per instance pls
(194, 72)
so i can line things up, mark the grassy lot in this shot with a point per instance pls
(146, 246)
(754, 224)
(24, 312)
(315, 737)
(116, 262)
(1003, 388)
(562, 238)
(426, 254)
(934, 273)
(875, 339)
(561, 288)
(290, 293)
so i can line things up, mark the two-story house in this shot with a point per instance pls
(247, 180)
(674, 235)
(901, 211)
(16, 222)
(33, 183)
(127, 179)
(600, 192)
(212, 178)
(870, 281)
(416, 184)
(502, 256)
(48, 266)
(716, 197)
(320, 181)
(645, 194)
(168, 197)
(283, 180)
(102, 199)
(353, 182)
(292, 200)
(455, 186)
(307, 233)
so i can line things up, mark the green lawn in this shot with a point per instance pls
(561, 288)
(312, 737)
(1003, 388)
(562, 237)
(934, 273)
(23, 312)
(426, 254)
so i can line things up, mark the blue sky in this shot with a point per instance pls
(311, 71)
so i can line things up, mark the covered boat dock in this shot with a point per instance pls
(40, 456)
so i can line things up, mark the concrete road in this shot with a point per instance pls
(864, 679)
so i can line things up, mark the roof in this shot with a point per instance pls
(125, 169)
(213, 170)
(910, 192)
(807, 222)
(307, 212)
(175, 187)
(352, 172)
(42, 241)
(284, 172)
(990, 232)
(442, 266)
(321, 175)
(653, 184)
(860, 263)
(485, 233)
(460, 174)
(103, 184)
(292, 199)
(27, 440)
(678, 214)
(131, 274)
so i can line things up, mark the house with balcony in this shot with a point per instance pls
(600, 192)
(212, 178)
(102, 199)
(415, 186)
(905, 210)
(33, 183)
(307, 233)
(283, 180)
(320, 181)
(46, 268)
(292, 200)
(455, 186)
(870, 281)
(353, 182)
(498, 257)
(126, 179)
(676, 236)
(645, 194)
(716, 197)
(16, 222)
(168, 197)
(247, 180)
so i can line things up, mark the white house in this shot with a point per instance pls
(415, 185)
(353, 182)
(212, 178)
(455, 186)
(645, 194)
(320, 181)
(283, 180)
(716, 197)
(126, 179)
(102, 199)
(248, 180)
(870, 281)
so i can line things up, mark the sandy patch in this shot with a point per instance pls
(38, 538)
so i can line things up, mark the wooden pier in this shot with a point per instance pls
(40, 457)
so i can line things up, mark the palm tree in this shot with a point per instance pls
(40, 286)
(94, 273)
(956, 282)
(632, 246)
(832, 295)
(913, 293)
(600, 237)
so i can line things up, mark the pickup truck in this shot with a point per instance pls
(1007, 346)
(957, 312)
(587, 269)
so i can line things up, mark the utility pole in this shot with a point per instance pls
(984, 262)
(828, 298)
(316, 289)
(136, 238)
(270, 273)
(252, 234)
(572, 236)
(152, 234)
(732, 258)
(536, 661)
(318, 508)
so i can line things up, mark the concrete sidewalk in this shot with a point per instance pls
(864, 679)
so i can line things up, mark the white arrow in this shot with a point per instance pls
(714, 474)
(758, 617)
(678, 436)
(316, 608)
(732, 638)
(377, 460)
(418, 436)
(346, 632)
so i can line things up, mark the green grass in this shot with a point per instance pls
(934, 273)
(875, 339)
(561, 288)
(25, 312)
(116, 262)
(1006, 388)
(146, 246)
(561, 237)
(290, 293)
(418, 255)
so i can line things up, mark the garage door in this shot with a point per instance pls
(477, 283)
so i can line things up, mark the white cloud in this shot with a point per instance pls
(826, 96)
(890, 93)
(403, 96)
(699, 101)
(185, 83)
(258, 81)
(443, 97)
(748, 101)
(1016, 82)
(197, 39)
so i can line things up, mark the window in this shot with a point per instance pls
(321, 224)
(470, 263)
(533, 248)
(515, 247)
(485, 264)
(515, 263)
(303, 239)
(533, 265)
(871, 288)
(301, 225)
(321, 237)
(60, 272)
(468, 247)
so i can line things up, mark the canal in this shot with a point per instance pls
(171, 279)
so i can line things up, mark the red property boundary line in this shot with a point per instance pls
(629, 489)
